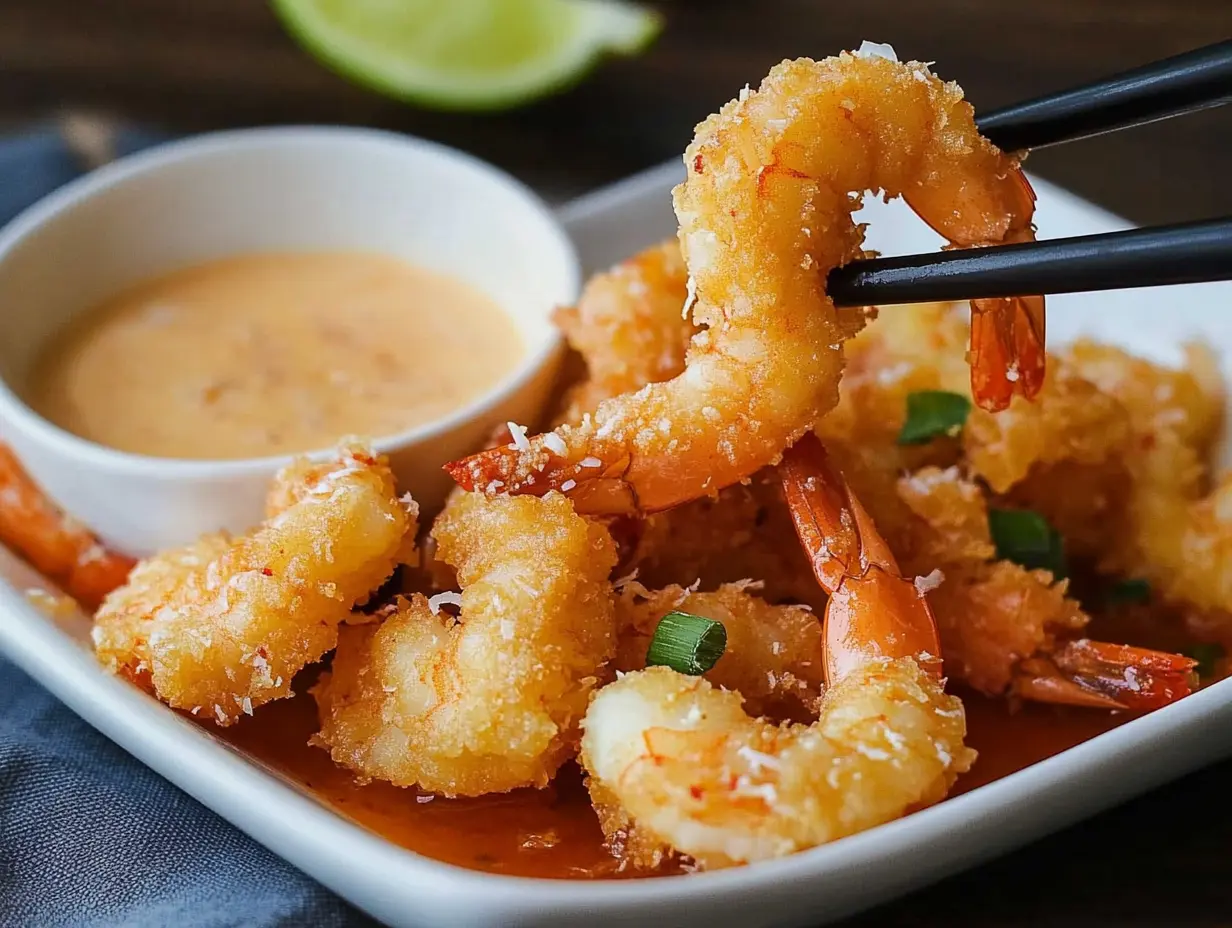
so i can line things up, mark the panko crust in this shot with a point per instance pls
(774, 655)
(991, 614)
(222, 626)
(693, 772)
(491, 701)
(628, 327)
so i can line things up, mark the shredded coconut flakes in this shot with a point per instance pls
(869, 49)
(450, 598)
(518, 433)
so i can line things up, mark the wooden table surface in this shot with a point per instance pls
(180, 65)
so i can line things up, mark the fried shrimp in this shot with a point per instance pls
(765, 213)
(221, 626)
(1005, 629)
(773, 656)
(1179, 531)
(743, 532)
(56, 546)
(676, 763)
(489, 701)
(628, 327)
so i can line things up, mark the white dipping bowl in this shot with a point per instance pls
(263, 190)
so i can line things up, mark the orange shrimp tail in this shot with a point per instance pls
(1007, 350)
(1104, 675)
(62, 551)
(595, 488)
(873, 612)
(1007, 335)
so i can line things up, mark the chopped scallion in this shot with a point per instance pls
(1207, 655)
(687, 643)
(1132, 590)
(1026, 538)
(932, 414)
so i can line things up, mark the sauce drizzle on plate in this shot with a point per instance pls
(553, 833)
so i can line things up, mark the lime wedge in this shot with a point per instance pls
(466, 54)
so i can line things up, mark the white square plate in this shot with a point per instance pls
(405, 889)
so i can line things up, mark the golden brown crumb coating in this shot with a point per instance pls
(773, 656)
(489, 701)
(744, 532)
(221, 626)
(628, 327)
(991, 614)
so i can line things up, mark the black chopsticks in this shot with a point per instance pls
(1181, 254)
(1187, 253)
(1183, 84)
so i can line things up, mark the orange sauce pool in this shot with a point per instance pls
(553, 832)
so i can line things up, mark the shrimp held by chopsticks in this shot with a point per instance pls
(765, 213)
(58, 547)
(676, 763)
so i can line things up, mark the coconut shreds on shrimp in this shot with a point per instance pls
(1177, 515)
(489, 701)
(221, 626)
(765, 213)
(773, 656)
(676, 764)
(628, 328)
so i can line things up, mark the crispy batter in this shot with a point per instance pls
(221, 626)
(773, 656)
(991, 614)
(745, 532)
(692, 771)
(765, 212)
(491, 701)
(628, 328)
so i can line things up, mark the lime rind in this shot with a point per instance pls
(595, 28)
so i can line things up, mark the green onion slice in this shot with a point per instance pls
(1026, 538)
(1133, 590)
(687, 643)
(932, 414)
(1206, 655)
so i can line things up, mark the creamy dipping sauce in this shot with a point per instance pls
(273, 354)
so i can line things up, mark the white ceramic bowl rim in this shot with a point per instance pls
(94, 455)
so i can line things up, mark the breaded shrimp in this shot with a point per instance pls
(628, 327)
(765, 213)
(1063, 456)
(490, 701)
(677, 764)
(221, 626)
(55, 545)
(744, 532)
(1006, 629)
(773, 656)
(1179, 531)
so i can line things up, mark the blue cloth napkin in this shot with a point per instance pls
(89, 836)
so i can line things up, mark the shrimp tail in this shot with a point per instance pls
(874, 613)
(1007, 335)
(595, 486)
(1007, 350)
(1104, 675)
(54, 544)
